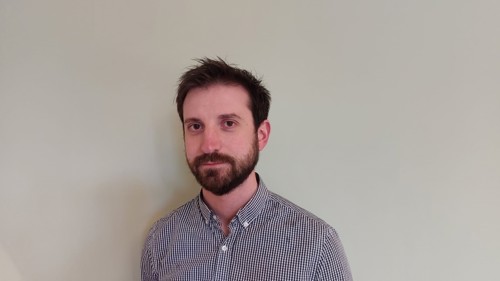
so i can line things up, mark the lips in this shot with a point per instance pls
(212, 164)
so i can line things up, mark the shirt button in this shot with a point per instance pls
(224, 248)
(245, 224)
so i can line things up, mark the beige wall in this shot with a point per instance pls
(385, 114)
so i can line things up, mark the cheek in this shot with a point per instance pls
(190, 149)
(243, 145)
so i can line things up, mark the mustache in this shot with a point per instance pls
(212, 157)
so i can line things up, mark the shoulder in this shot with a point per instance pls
(292, 214)
(175, 219)
(321, 239)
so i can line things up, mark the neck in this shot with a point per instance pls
(227, 206)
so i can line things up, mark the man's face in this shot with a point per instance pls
(221, 143)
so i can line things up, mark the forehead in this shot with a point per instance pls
(217, 99)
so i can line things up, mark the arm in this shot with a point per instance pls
(148, 268)
(333, 265)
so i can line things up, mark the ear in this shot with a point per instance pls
(263, 133)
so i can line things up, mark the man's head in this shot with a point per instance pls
(210, 71)
(224, 126)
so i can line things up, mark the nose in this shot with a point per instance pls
(211, 141)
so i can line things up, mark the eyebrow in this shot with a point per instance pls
(222, 116)
(230, 116)
(192, 120)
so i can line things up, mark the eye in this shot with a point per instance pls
(228, 123)
(194, 127)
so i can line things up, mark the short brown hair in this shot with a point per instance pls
(213, 71)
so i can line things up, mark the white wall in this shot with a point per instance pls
(385, 114)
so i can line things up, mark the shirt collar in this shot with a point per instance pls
(249, 212)
(206, 213)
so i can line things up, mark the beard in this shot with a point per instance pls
(222, 180)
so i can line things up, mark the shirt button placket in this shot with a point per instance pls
(223, 270)
(223, 262)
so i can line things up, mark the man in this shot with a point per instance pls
(235, 229)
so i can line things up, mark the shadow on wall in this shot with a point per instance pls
(169, 144)
(111, 247)
(8, 270)
(122, 211)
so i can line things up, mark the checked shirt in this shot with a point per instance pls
(270, 239)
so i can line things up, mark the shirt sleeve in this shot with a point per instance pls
(333, 264)
(148, 268)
